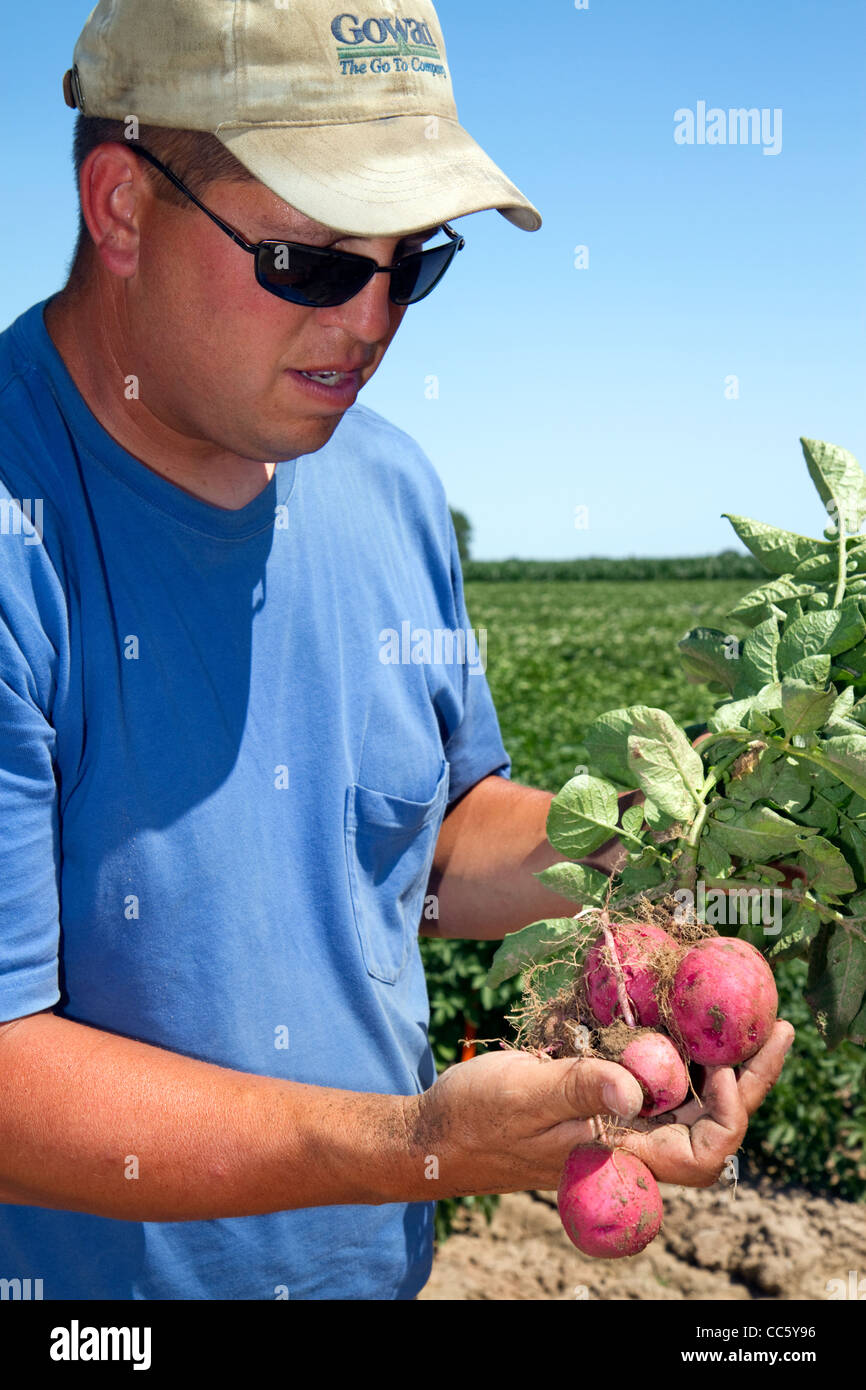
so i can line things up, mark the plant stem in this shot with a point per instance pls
(842, 560)
(714, 738)
(687, 857)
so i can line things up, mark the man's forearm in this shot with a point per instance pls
(94, 1122)
(490, 846)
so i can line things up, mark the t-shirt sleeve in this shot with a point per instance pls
(29, 815)
(475, 749)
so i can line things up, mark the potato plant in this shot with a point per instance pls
(768, 805)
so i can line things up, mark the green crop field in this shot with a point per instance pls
(560, 653)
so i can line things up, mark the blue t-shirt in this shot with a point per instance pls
(227, 743)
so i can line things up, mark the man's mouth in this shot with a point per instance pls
(336, 386)
(327, 378)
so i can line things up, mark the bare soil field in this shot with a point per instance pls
(760, 1242)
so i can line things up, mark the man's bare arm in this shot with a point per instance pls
(491, 843)
(82, 1109)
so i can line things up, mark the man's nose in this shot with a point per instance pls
(368, 314)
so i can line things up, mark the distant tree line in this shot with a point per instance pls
(730, 564)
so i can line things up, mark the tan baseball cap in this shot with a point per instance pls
(347, 115)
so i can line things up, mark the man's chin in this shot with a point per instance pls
(306, 437)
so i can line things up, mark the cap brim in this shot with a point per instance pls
(386, 177)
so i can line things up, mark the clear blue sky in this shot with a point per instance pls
(601, 387)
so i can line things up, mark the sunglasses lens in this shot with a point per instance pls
(419, 274)
(321, 279)
(318, 279)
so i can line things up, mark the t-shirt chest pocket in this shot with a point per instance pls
(389, 852)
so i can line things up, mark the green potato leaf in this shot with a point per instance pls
(576, 881)
(840, 481)
(758, 605)
(800, 926)
(633, 819)
(733, 714)
(784, 781)
(606, 741)
(845, 758)
(657, 819)
(818, 569)
(722, 747)
(821, 813)
(778, 551)
(853, 842)
(835, 728)
(791, 787)
(758, 833)
(805, 709)
(714, 861)
(757, 665)
(857, 1029)
(521, 949)
(836, 982)
(637, 878)
(548, 982)
(834, 790)
(664, 764)
(814, 670)
(709, 655)
(844, 704)
(831, 630)
(851, 664)
(829, 871)
(582, 816)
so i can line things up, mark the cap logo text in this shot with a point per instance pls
(408, 34)
(398, 45)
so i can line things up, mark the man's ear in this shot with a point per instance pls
(114, 192)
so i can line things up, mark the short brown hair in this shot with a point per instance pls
(197, 158)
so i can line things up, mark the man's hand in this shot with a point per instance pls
(505, 1122)
(690, 1145)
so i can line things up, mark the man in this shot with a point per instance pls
(220, 807)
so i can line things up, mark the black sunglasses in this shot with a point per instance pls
(320, 278)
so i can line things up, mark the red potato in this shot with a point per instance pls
(636, 943)
(723, 1002)
(655, 1062)
(609, 1202)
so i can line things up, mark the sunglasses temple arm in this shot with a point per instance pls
(238, 240)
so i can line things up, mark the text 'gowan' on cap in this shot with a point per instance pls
(348, 116)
